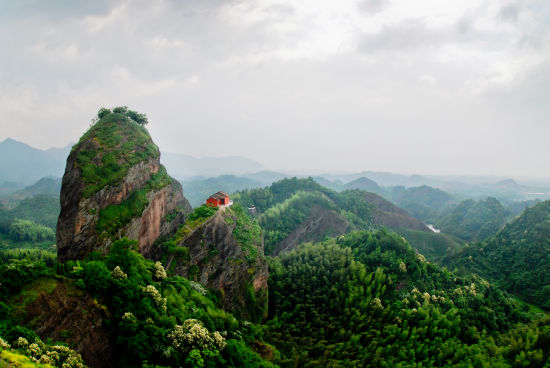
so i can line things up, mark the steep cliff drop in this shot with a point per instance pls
(223, 251)
(115, 186)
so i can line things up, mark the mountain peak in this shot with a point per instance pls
(12, 142)
(114, 186)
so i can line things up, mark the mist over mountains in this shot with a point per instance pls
(22, 165)
(340, 248)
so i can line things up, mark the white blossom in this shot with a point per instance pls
(219, 341)
(193, 335)
(377, 303)
(198, 287)
(426, 296)
(21, 342)
(157, 298)
(129, 317)
(4, 344)
(160, 272)
(35, 350)
(46, 359)
(118, 274)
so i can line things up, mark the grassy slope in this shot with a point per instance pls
(109, 148)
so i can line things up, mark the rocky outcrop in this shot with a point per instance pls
(114, 186)
(73, 316)
(103, 172)
(219, 261)
(153, 223)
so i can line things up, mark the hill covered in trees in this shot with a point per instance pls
(346, 282)
(294, 210)
(423, 202)
(473, 220)
(31, 223)
(118, 310)
(368, 300)
(198, 190)
(517, 258)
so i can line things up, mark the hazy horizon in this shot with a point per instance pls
(430, 88)
(465, 177)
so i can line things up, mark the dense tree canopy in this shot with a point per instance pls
(366, 299)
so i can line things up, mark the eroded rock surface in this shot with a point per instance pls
(217, 260)
(103, 172)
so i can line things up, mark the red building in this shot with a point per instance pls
(218, 199)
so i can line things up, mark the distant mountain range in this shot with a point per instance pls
(23, 164)
(462, 187)
(49, 187)
(198, 190)
(183, 166)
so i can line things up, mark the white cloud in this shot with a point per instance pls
(352, 84)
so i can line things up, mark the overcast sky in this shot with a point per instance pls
(427, 86)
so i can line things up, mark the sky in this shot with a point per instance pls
(427, 87)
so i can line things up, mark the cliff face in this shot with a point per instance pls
(115, 186)
(225, 252)
(62, 312)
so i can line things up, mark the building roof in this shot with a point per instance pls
(220, 195)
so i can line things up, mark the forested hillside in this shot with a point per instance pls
(198, 190)
(368, 300)
(31, 223)
(139, 279)
(424, 202)
(517, 258)
(119, 310)
(472, 221)
(296, 210)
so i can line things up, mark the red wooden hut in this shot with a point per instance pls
(218, 199)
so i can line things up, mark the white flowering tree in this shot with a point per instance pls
(195, 341)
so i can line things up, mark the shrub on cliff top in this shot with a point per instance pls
(139, 118)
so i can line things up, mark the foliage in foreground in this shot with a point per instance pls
(366, 299)
(35, 353)
(157, 320)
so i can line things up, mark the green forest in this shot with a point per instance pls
(306, 276)
(367, 299)
(31, 223)
(517, 259)
(153, 319)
